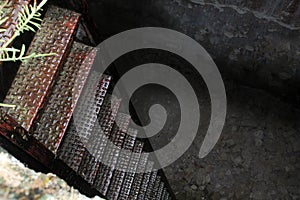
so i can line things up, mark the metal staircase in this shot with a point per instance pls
(41, 130)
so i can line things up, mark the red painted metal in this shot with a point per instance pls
(11, 10)
(53, 120)
(35, 77)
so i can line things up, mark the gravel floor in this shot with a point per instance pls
(19, 182)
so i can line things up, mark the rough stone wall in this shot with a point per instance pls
(256, 42)
(285, 11)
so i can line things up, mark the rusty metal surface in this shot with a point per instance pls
(138, 178)
(35, 77)
(122, 164)
(52, 123)
(112, 153)
(96, 145)
(71, 150)
(129, 176)
(11, 10)
(18, 136)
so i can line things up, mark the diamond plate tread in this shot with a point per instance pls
(89, 105)
(138, 178)
(52, 123)
(112, 153)
(164, 193)
(122, 164)
(71, 150)
(145, 182)
(11, 10)
(96, 145)
(129, 176)
(155, 189)
(160, 191)
(14, 133)
(168, 196)
(35, 77)
(151, 185)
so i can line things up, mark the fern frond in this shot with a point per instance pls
(3, 5)
(13, 54)
(7, 105)
(27, 20)
(28, 15)
(3, 20)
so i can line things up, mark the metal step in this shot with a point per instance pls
(129, 176)
(155, 189)
(63, 114)
(34, 78)
(122, 164)
(112, 153)
(151, 184)
(164, 193)
(160, 190)
(72, 148)
(52, 122)
(96, 145)
(146, 180)
(138, 178)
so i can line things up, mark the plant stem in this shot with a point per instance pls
(7, 105)
(27, 57)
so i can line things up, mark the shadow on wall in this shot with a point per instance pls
(256, 43)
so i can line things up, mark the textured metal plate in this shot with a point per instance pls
(155, 194)
(11, 10)
(35, 77)
(145, 182)
(96, 145)
(72, 148)
(89, 105)
(129, 177)
(164, 193)
(138, 178)
(123, 162)
(151, 185)
(160, 190)
(112, 153)
(18, 136)
(52, 122)
(168, 196)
